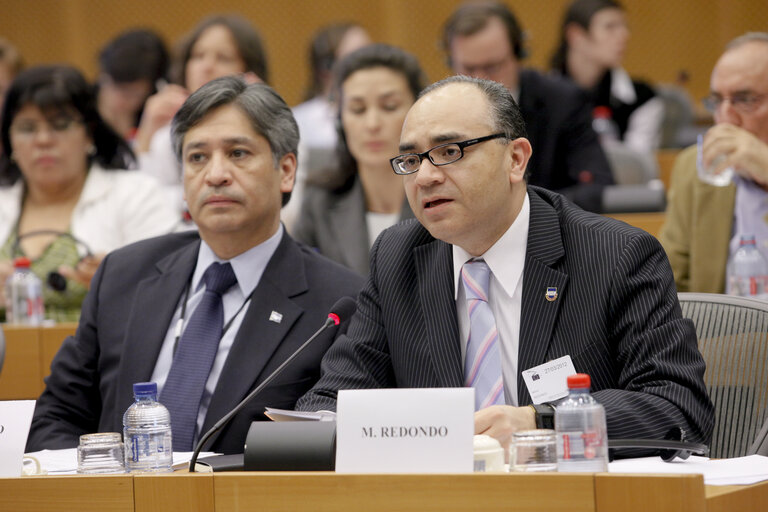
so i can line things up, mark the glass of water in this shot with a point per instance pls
(533, 450)
(100, 453)
(708, 173)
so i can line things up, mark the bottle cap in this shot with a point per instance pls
(21, 262)
(602, 112)
(144, 388)
(579, 381)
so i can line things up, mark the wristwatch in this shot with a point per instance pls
(545, 415)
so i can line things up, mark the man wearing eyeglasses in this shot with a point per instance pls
(499, 277)
(485, 40)
(704, 223)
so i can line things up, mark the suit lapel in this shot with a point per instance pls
(258, 336)
(538, 314)
(434, 272)
(154, 302)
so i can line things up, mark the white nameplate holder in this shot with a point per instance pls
(15, 419)
(549, 381)
(405, 430)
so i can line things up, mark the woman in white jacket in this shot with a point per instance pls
(62, 173)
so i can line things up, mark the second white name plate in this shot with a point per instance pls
(405, 430)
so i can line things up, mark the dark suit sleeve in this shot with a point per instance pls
(71, 402)
(360, 358)
(586, 162)
(659, 370)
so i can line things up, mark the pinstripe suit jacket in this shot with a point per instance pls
(616, 315)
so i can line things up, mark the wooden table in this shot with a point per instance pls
(320, 492)
(28, 355)
(648, 221)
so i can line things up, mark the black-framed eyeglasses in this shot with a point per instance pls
(443, 154)
(744, 102)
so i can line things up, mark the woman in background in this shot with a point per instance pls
(316, 117)
(376, 85)
(218, 46)
(593, 38)
(60, 173)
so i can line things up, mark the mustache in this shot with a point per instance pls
(220, 194)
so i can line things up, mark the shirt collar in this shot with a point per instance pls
(505, 258)
(622, 87)
(248, 266)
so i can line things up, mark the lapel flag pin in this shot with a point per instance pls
(551, 294)
(275, 317)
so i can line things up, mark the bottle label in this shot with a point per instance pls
(580, 445)
(753, 286)
(135, 449)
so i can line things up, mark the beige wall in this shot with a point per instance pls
(667, 35)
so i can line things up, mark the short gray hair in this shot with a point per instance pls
(506, 116)
(749, 37)
(268, 113)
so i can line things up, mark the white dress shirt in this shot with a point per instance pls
(506, 259)
(248, 267)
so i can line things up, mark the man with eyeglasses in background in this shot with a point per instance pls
(704, 223)
(485, 40)
(498, 277)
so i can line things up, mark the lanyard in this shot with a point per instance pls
(180, 323)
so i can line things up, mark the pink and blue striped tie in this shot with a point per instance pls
(482, 365)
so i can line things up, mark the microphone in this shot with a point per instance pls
(341, 311)
(55, 280)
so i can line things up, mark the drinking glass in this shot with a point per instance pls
(708, 173)
(100, 453)
(533, 450)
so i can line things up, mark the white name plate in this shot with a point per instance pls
(405, 431)
(15, 419)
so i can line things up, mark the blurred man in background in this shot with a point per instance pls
(485, 40)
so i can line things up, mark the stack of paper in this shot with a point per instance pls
(737, 471)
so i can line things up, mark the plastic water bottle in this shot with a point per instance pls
(748, 270)
(604, 126)
(24, 295)
(582, 437)
(147, 432)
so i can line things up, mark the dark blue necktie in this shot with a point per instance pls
(194, 356)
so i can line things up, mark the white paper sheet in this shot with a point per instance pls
(64, 462)
(287, 415)
(736, 471)
(15, 419)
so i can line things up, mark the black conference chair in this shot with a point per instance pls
(733, 338)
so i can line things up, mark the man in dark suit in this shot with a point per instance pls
(485, 40)
(562, 282)
(238, 144)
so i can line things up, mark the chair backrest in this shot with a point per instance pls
(678, 128)
(760, 446)
(733, 338)
(628, 166)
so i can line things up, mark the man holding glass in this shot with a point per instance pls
(498, 277)
(707, 211)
